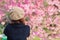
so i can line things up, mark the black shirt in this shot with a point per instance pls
(17, 31)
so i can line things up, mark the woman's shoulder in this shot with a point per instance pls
(27, 26)
(8, 26)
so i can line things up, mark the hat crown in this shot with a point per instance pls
(16, 13)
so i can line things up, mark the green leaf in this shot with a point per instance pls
(47, 30)
(1, 29)
(36, 38)
(3, 2)
(27, 18)
(1, 26)
(45, 3)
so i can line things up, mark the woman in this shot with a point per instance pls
(16, 28)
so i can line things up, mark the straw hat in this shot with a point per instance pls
(16, 13)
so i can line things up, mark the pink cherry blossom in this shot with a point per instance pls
(48, 21)
(57, 20)
(50, 2)
(51, 10)
(27, 1)
(39, 2)
(40, 12)
(1, 15)
(38, 16)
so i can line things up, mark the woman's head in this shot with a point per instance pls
(16, 14)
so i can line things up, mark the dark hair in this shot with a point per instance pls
(18, 21)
